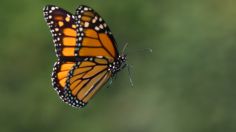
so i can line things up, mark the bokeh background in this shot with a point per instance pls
(187, 84)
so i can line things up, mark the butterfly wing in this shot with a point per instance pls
(85, 47)
(59, 76)
(85, 79)
(97, 47)
(94, 36)
(63, 29)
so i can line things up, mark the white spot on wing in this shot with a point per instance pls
(94, 20)
(101, 26)
(100, 19)
(97, 28)
(86, 24)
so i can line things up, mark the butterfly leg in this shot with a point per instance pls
(130, 78)
(110, 82)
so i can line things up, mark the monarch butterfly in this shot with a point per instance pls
(87, 53)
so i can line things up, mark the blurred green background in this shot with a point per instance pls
(186, 85)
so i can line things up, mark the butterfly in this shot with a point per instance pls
(87, 53)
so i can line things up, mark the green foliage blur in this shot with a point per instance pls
(187, 84)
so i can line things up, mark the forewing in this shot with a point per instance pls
(63, 29)
(94, 38)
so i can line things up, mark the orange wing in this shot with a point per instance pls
(94, 37)
(60, 75)
(85, 79)
(85, 48)
(63, 29)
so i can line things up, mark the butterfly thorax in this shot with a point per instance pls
(117, 65)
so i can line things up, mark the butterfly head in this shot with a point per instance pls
(122, 58)
(117, 65)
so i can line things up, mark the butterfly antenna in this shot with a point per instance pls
(128, 66)
(148, 50)
(124, 48)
